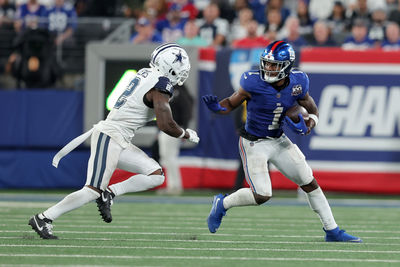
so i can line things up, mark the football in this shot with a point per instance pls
(294, 111)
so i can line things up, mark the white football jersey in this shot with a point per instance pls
(130, 112)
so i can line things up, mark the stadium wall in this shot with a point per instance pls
(355, 148)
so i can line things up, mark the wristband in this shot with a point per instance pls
(182, 135)
(314, 117)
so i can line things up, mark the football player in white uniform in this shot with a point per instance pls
(146, 97)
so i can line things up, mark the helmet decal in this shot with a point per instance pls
(171, 61)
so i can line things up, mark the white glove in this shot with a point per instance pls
(193, 136)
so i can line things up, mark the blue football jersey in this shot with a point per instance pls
(267, 106)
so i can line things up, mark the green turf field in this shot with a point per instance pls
(162, 231)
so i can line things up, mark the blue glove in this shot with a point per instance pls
(212, 103)
(300, 127)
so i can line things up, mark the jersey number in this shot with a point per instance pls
(275, 121)
(122, 99)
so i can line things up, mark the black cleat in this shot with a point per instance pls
(104, 203)
(42, 227)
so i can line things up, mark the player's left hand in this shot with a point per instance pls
(212, 103)
(192, 136)
(300, 127)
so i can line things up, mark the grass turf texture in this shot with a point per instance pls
(156, 232)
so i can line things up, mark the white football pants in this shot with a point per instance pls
(106, 155)
(281, 152)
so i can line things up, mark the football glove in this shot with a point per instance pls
(192, 136)
(300, 127)
(212, 103)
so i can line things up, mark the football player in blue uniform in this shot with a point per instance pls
(269, 93)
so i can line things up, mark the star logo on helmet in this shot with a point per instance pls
(178, 57)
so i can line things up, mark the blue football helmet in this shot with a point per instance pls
(276, 61)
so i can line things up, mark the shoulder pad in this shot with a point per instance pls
(164, 85)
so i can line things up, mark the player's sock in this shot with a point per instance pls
(320, 205)
(71, 202)
(242, 197)
(137, 183)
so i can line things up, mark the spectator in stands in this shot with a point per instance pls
(61, 21)
(259, 10)
(278, 5)
(7, 14)
(191, 37)
(337, 19)
(392, 41)
(30, 15)
(322, 35)
(305, 20)
(320, 9)
(359, 37)
(145, 33)
(171, 28)
(253, 39)
(155, 10)
(213, 28)
(33, 63)
(274, 24)
(378, 24)
(359, 11)
(188, 10)
(239, 25)
(394, 14)
(292, 36)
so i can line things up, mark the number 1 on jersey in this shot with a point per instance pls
(275, 121)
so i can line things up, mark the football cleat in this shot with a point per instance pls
(42, 227)
(337, 235)
(104, 203)
(217, 212)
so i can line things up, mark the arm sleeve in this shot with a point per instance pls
(164, 86)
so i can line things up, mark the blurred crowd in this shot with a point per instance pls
(40, 26)
(351, 24)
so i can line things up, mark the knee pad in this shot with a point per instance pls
(260, 199)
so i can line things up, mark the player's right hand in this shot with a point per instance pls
(193, 136)
(300, 127)
(212, 103)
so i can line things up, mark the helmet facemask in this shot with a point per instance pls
(273, 70)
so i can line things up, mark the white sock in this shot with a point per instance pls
(242, 197)
(320, 205)
(72, 201)
(137, 183)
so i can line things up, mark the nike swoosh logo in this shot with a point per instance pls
(37, 225)
(216, 204)
(104, 199)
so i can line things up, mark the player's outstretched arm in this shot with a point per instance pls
(228, 104)
(165, 121)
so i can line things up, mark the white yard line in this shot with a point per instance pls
(208, 241)
(197, 258)
(205, 249)
(198, 234)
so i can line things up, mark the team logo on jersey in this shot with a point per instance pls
(297, 90)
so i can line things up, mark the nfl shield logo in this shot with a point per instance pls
(296, 90)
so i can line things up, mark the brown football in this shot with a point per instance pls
(294, 111)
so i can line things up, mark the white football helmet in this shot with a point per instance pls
(172, 61)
